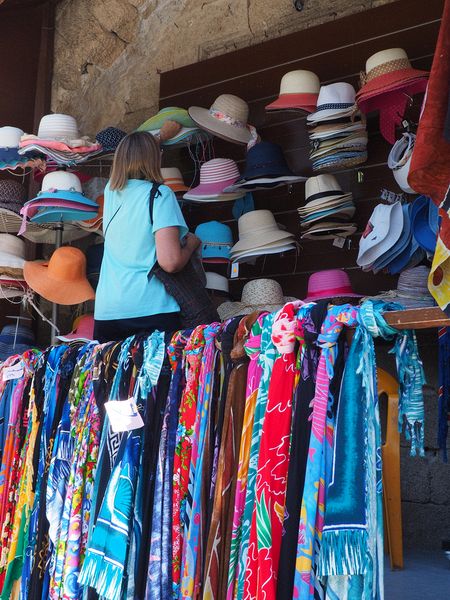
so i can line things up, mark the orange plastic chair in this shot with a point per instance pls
(391, 471)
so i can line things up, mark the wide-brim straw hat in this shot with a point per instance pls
(62, 279)
(329, 284)
(299, 90)
(258, 226)
(227, 118)
(257, 295)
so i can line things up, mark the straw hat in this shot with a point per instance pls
(329, 231)
(227, 118)
(58, 127)
(215, 175)
(298, 90)
(259, 294)
(257, 229)
(335, 101)
(332, 283)
(63, 279)
(12, 251)
(12, 196)
(322, 187)
(173, 179)
(83, 330)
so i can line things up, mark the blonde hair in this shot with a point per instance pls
(138, 156)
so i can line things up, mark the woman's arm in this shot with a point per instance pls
(171, 256)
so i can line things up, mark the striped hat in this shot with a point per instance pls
(215, 176)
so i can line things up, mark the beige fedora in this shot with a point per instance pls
(299, 90)
(227, 118)
(321, 187)
(258, 226)
(257, 295)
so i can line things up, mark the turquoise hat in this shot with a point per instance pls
(62, 215)
(217, 241)
(171, 113)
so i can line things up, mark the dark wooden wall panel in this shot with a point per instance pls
(336, 51)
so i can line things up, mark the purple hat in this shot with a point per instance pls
(333, 283)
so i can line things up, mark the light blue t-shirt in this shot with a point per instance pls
(124, 291)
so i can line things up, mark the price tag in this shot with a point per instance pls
(124, 415)
(234, 270)
(339, 242)
(13, 372)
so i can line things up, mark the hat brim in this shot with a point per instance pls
(66, 293)
(329, 114)
(61, 215)
(395, 81)
(154, 124)
(329, 231)
(235, 309)
(206, 121)
(330, 295)
(177, 188)
(257, 252)
(269, 182)
(304, 102)
(63, 195)
(253, 241)
(224, 197)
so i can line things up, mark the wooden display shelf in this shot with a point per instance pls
(417, 318)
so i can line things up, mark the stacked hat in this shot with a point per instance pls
(259, 234)
(12, 258)
(226, 118)
(59, 140)
(173, 178)
(328, 210)
(217, 241)
(412, 289)
(264, 295)
(15, 339)
(62, 279)
(425, 223)
(60, 200)
(328, 285)
(216, 176)
(109, 138)
(82, 330)
(9, 151)
(399, 160)
(337, 133)
(189, 133)
(386, 85)
(298, 91)
(217, 283)
(266, 167)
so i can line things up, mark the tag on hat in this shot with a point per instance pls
(13, 372)
(124, 415)
(234, 270)
(339, 242)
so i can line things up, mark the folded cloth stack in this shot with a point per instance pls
(328, 210)
(60, 201)
(412, 289)
(9, 151)
(337, 131)
(398, 237)
(59, 140)
(12, 257)
(259, 235)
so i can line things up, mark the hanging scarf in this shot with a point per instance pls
(104, 567)
(312, 510)
(444, 390)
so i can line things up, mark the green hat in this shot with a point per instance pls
(171, 113)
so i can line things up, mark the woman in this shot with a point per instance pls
(128, 301)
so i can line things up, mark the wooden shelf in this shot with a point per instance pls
(417, 318)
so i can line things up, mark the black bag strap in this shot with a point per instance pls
(154, 193)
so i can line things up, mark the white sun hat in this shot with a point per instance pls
(217, 282)
(58, 127)
(335, 100)
(399, 160)
(382, 232)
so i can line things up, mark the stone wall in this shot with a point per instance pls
(109, 53)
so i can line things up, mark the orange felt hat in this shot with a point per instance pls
(63, 279)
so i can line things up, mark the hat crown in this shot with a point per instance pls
(214, 231)
(299, 82)
(61, 180)
(256, 220)
(415, 279)
(171, 173)
(336, 93)
(11, 244)
(110, 137)
(217, 170)
(231, 106)
(386, 56)
(85, 326)
(10, 137)
(266, 154)
(262, 291)
(321, 185)
(328, 283)
(214, 281)
(58, 126)
(12, 191)
(67, 264)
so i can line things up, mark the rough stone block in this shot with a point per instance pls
(425, 525)
(415, 478)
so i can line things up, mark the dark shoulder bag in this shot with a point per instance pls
(187, 286)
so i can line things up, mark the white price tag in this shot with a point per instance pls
(13, 372)
(339, 242)
(234, 270)
(124, 415)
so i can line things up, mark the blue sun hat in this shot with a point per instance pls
(62, 185)
(402, 260)
(217, 241)
(425, 223)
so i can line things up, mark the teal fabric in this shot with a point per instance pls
(124, 290)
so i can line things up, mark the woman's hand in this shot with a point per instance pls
(192, 241)
(169, 130)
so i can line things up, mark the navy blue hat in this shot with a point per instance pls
(110, 138)
(94, 257)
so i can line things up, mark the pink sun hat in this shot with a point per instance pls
(83, 330)
(216, 175)
(332, 283)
